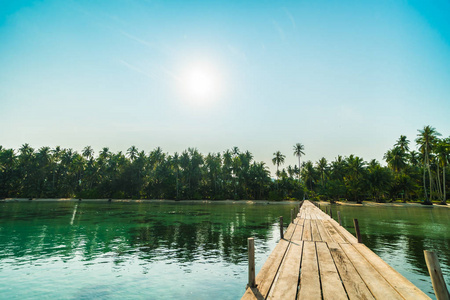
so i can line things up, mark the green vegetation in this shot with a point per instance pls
(60, 173)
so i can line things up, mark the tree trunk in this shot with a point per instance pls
(424, 184)
(444, 196)
(439, 183)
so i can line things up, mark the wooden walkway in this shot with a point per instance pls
(319, 259)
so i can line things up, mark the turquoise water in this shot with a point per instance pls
(155, 250)
(131, 250)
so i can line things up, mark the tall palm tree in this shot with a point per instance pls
(403, 143)
(443, 151)
(278, 160)
(298, 151)
(426, 139)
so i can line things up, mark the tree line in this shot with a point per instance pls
(233, 174)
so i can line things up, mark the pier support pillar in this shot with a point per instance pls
(251, 263)
(358, 233)
(437, 279)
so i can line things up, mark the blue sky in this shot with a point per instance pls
(341, 77)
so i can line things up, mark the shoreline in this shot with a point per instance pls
(255, 202)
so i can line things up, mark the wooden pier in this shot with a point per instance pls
(319, 259)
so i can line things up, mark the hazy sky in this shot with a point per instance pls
(341, 77)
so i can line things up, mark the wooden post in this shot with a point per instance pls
(326, 210)
(437, 279)
(339, 217)
(281, 228)
(319, 206)
(358, 234)
(251, 263)
(331, 213)
(292, 216)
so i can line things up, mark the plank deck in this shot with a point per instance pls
(319, 259)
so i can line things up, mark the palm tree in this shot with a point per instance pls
(414, 158)
(379, 179)
(426, 139)
(396, 158)
(132, 152)
(322, 167)
(176, 166)
(298, 151)
(88, 153)
(309, 174)
(443, 151)
(278, 160)
(356, 169)
(402, 143)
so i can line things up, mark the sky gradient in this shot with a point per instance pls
(341, 77)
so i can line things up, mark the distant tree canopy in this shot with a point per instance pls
(64, 173)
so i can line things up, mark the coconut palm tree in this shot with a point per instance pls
(88, 153)
(278, 160)
(426, 140)
(298, 151)
(402, 143)
(414, 158)
(396, 159)
(443, 151)
(322, 166)
(132, 152)
(356, 169)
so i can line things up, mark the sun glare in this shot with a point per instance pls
(201, 83)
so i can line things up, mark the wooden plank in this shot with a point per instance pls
(354, 285)
(289, 231)
(307, 215)
(267, 274)
(298, 234)
(309, 273)
(332, 232)
(307, 230)
(343, 232)
(398, 282)
(323, 232)
(376, 283)
(332, 287)
(300, 221)
(286, 285)
(302, 214)
(315, 231)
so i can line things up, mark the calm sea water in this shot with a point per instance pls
(153, 250)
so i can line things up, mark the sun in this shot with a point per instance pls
(201, 83)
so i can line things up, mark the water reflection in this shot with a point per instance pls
(184, 233)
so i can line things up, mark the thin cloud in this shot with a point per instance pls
(136, 69)
(279, 29)
(134, 38)
(291, 17)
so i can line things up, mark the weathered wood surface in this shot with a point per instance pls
(319, 259)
